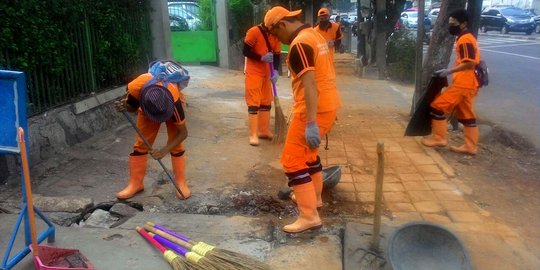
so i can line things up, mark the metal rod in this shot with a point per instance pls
(150, 148)
(378, 197)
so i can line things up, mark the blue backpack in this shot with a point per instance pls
(168, 71)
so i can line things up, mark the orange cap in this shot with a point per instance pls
(276, 14)
(323, 12)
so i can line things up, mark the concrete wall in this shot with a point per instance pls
(52, 132)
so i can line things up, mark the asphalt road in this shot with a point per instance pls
(512, 98)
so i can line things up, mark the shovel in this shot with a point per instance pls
(47, 257)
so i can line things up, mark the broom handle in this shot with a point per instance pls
(151, 240)
(168, 237)
(173, 233)
(274, 89)
(28, 191)
(150, 147)
(176, 248)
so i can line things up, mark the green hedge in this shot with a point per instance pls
(401, 56)
(69, 49)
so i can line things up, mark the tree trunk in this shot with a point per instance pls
(440, 46)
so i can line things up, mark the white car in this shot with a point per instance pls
(433, 14)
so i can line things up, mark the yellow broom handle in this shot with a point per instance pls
(28, 191)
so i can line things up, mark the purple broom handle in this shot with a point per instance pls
(272, 74)
(176, 248)
(175, 234)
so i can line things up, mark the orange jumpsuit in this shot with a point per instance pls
(258, 87)
(464, 87)
(332, 33)
(308, 52)
(150, 128)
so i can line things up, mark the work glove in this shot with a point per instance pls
(442, 72)
(274, 77)
(313, 137)
(331, 44)
(268, 57)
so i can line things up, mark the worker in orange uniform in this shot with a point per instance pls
(260, 49)
(331, 31)
(314, 110)
(462, 91)
(157, 98)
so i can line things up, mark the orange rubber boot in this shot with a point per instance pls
(179, 169)
(253, 123)
(471, 142)
(439, 134)
(307, 207)
(317, 179)
(137, 170)
(264, 125)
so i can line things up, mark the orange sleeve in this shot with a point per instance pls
(276, 45)
(466, 50)
(134, 87)
(251, 36)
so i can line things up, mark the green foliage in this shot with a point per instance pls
(205, 15)
(401, 56)
(69, 49)
(241, 18)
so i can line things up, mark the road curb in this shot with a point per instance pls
(508, 36)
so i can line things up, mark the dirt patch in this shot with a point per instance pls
(505, 179)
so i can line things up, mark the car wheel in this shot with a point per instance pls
(529, 32)
(484, 29)
(538, 28)
(504, 30)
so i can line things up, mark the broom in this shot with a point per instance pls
(193, 260)
(228, 259)
(174, 260)
(280, 123)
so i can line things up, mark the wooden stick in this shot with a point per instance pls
(28, 191)
(378, 197)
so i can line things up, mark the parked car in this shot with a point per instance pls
(507, 19)
(191, 7)
(409, 19)
(433, 14)
(176, 12)
(537, 24)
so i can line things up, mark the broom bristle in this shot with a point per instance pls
(280, 123)
(178, 264)
(240, 261)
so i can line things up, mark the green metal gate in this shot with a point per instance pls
(193, 31)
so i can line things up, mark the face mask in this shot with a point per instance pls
(454, 30)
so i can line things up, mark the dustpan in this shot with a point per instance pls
(55, 258)
(47, 257)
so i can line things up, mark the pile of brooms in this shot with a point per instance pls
(183, 253)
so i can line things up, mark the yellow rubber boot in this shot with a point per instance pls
(439, 134)
(264, 125)
(179, 169)
(307, 207)
(470, 146)
(137, 170)
(253, 125)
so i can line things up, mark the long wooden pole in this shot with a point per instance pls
(28, 191)
(378, 197)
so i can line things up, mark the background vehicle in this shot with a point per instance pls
(537, 24)
(507, 19)
(433, 14)
(191, 7)
(177, 16)
(409, 19)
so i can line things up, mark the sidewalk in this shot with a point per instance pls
(234, 185)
